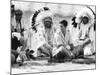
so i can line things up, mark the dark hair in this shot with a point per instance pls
(64, 23)
(46, 8)
(74, 23)
(12, 6)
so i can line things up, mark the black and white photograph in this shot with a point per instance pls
(52, 37)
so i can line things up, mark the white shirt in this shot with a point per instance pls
(60, 39)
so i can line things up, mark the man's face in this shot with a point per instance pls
(47, 22)
(83, 27)
(62, 28)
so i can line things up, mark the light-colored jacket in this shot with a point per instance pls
(60, 40)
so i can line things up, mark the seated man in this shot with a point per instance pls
(61, 48)
(83, 30)
(46, 48)
(14, 53)
(17, 44)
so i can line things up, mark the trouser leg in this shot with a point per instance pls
(62, 55)
(77, 51)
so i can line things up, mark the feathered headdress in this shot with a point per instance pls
(85, 16)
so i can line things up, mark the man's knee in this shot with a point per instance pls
(43, 50)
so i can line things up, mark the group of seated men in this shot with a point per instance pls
(60, 49)
(58, 44)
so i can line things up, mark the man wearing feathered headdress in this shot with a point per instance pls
(84, 22)
(45, 27)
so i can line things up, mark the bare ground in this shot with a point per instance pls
(35, 66)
